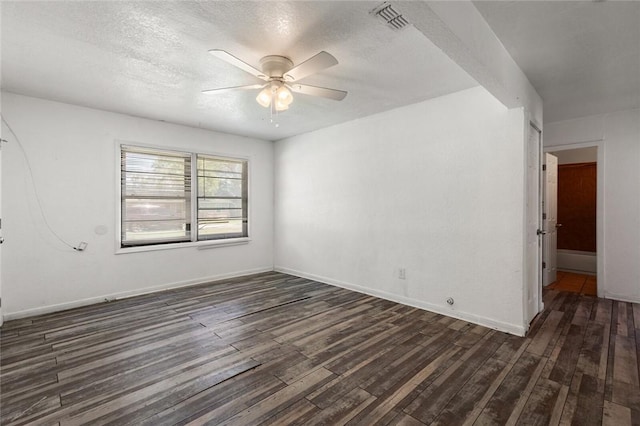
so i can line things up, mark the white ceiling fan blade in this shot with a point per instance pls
(319, 62)
(229, 89)
(228, 57)
(323, 92)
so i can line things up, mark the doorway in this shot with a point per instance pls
(577, 225)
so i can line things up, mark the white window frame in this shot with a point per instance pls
(245, 192)
(200, 245)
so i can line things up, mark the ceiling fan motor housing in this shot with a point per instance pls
(275, 66)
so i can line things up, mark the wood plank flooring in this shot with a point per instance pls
(276, 349)
(574, 282)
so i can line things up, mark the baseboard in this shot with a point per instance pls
(621, 297)
(578, 271)
(465, 316)
(126, 294)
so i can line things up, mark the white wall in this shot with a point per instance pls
(436, 188)
(618, 135)
(72, 154)
(580, 155)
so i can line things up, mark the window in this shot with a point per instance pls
(222, 198)
(159, 205)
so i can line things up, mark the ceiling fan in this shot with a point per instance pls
(281, 78)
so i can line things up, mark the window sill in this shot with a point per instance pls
(200, 245)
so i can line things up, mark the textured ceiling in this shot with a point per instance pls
(150, 59)
(583, 58)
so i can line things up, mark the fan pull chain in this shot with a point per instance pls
(272, 109)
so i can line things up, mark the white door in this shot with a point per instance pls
(550, 220)
(532, 220)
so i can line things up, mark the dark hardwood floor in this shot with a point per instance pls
(276, 349)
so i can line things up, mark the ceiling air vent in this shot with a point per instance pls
(390, 16)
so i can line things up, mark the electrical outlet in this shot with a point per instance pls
(402, 273)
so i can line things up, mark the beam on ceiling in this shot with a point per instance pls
(461, 32)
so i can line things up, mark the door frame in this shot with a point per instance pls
(549, 228)
(600, 212)
(1, 238)
(539, 213)
(530, 312)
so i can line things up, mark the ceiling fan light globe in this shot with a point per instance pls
(281, 106)
(264, 97)
(284, 95)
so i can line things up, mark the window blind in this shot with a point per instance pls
(222, 198)
(156, 196)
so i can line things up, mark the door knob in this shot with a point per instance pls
(541, 232)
